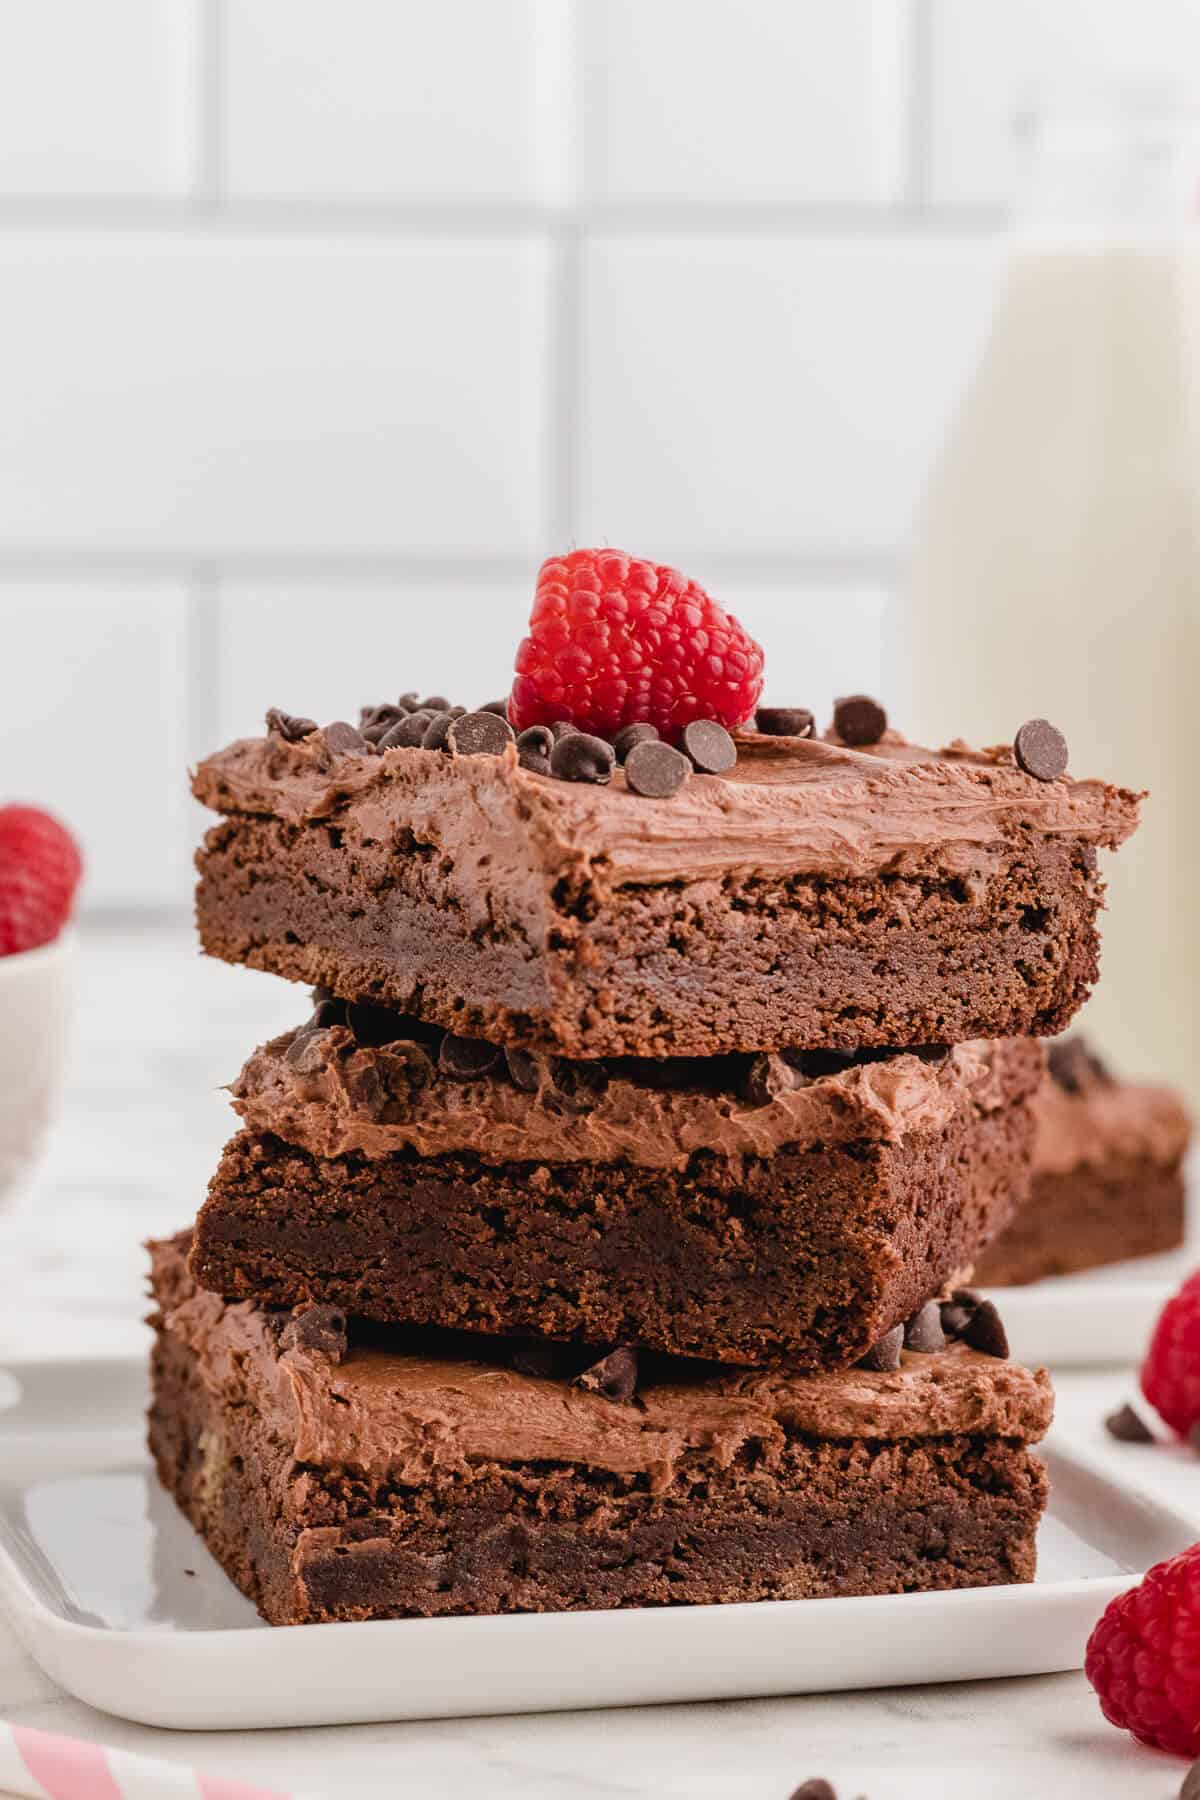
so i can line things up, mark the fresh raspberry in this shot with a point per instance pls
(40, 866)
(614, 641)
(1171, 1371)
(1143, 1658)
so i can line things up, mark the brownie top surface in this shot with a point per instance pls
(788, 805)
(1100, 1117)
(409, 1414)
(326, 1090)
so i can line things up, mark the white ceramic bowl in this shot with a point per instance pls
(36, 993)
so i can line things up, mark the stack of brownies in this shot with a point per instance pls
(601, 1238)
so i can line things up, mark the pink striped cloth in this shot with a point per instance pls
(36, 1766)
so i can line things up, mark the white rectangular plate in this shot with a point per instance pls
(117, 1599)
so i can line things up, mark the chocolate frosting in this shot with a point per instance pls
(789, 806)
(1107, 1119)
(339, 1096)
(409, 1416)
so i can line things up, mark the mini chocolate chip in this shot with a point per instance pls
(1128, 1427)
(376, 721)
(923, 1331)
(885, 1355)
(655, 770)
(321, 1330)
(524, 1071)
(629, 735)
(533, 764)
(580, 757)
(438, 729)
(326, 1012)
(304, 1053)
(466, 1059)
(344, 740)
(764, 1079)
(289, 726)
(815, 1789)
(1041, 750)
(576, 1087)
(1191, 1784)
(562, 728)
(408, 702)
(614, 1376)
(536, 738)
(708, 746)
(984, 1331)
(373, 1025)
(479, 734)
(859, 720)
(499, 707)
(958, 1311)
(1074, 1065)
(435, 703)
(407, 732)
(785, 721)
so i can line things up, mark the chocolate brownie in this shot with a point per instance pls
(735, 1208)
(812, 894)
(1108, 1179)
(342, 1476)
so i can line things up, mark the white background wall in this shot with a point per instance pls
(322, 321)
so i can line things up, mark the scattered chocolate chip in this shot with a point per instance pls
(656, 771)
(764, 1079)
(435, 703)
(614, 1376)
(1128, 1427)
(289, 726)
(1074, 1064)
(466, 1059)
(576, 1087)
(344, 740)
(708, 746)
(533, 749)
(373, 1025)
(816, 1789)
(958, 1311)
(859, 720)
(629, 735)
(1191, 1784)
(408, 702)
(562, 728)
(581, 757)
(785, 721)
(327, 1011)
(305, 1052)
(1041, 750)
(885, 1355)
(984, 1331)
(407, 732)
(321, 1330)
(499, 707)
(438, 728)
(524, 1071)
(479, 734)
(376, 721)
(923, 1331)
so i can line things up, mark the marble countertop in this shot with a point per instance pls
(140, 1127)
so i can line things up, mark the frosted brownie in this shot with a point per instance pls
(354, 1476)
(1108, 1178)
(740, 1208)
(811, 894)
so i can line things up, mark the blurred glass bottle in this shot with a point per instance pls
(1056, 570)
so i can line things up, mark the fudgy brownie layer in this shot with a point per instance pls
(816, 895)
(809, 1255)
(335, 1481)
(1087, 1217)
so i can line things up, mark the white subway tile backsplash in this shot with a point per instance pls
(324, 649)
(385, 100)
(770, 394)
(96, 100)
(722, 102)
(993, 58)
(93, 703)
(226, 393)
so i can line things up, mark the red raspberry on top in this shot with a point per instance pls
(1171, 1371)
(1143, 1658)
(615, 641)
(40, 866)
